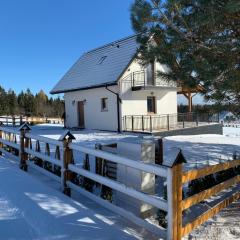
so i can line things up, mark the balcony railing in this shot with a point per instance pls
(167, 122)
(142, 79)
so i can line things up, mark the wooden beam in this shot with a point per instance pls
(175, 202)
(210, 213)
(188, 202)
(198, 173)
(189, 97)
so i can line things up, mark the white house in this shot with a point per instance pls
(108, 85)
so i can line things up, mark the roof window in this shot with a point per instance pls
(101, 60)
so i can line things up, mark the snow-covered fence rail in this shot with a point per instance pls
(54, 158)
(46, 156)
(9, 142)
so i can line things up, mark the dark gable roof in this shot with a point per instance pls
(99, 67)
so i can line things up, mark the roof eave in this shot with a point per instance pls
(84, 88)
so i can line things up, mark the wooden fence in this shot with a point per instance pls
(54, 158)
(19, 120)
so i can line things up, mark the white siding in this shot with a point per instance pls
(94, 117)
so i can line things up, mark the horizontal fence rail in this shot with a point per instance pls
(55, 159)
(150, 168)
(159, 203)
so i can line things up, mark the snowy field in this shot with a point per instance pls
(206, 149)
(199, 150)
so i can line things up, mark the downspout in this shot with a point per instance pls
(119, 101)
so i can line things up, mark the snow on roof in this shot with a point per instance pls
(99, 67)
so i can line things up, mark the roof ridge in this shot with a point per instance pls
(111, 43)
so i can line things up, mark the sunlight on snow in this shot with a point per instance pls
(7, 212)
(104, 219)
(86, 220)
(52, 204)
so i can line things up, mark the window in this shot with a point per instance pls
(104, 104)
(151, 106)
(101, 60)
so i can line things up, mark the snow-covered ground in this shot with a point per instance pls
(206, 149)
(199, 150)
(32, 207)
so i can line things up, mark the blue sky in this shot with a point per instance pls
(41, 39)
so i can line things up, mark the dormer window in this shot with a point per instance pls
(101, 60)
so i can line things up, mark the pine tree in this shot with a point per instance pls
(41, 100)
(29, 105)
(3, 101)
(12, 103)
(198, 41)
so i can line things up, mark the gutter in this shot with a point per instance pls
(119, 101)
(83, 88)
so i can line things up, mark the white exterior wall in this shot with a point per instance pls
(135, 102)
(94, 117)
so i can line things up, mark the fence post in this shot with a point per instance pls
(197, 119)
(174, 198)
(23, 143)
(13, 121)
(159, 157)
(183, 122)
(142, 123)
(66, 175)
(168, 122)
(21, 120)
(151, 128)
(132, 123)
(125, 123)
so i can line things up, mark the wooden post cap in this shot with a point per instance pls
(179, 158)
(67, 135)
(24, 126)
(175, 157)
